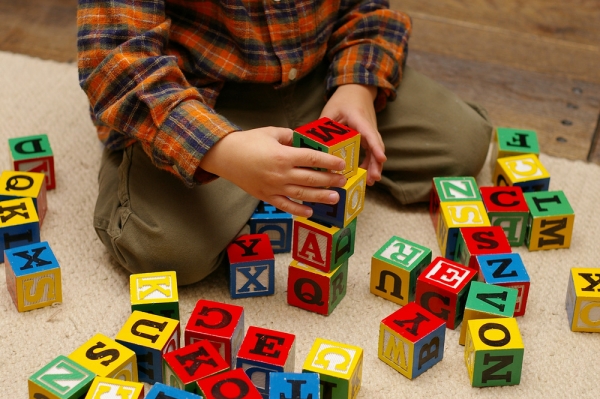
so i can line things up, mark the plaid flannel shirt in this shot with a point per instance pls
(153, 69)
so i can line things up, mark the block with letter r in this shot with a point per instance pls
(251, 266)
(62, 378)
(507, 208)
(583, 299)
(294, 386)
(33, 154)
(155, 293)
(525, 171)
(14, 185)
(229, 384)
(19, 223)
(276, 223)
(162, 391)
(551, 220)
(451, 189)
(111, 388)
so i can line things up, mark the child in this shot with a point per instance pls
(195, 101)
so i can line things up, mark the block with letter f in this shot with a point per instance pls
(251, 266)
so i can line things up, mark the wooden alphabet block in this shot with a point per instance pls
(473, 241)
(33, 276)
(494, 352)
(323, 247)
(411, 340)
(506, 207)
(33, 154)
(316, 291)
(442, 289)
(184, 367)
(162, 391)
(230, 384)
(107, 358)
(331, 137)
(583, 299)
(62, 378)
(251, 266)
(19, 223)
(395, 268)
(506, 270)
(508, 142)
(294, 386)
(150, 336)
(451, 189)
(453, 216)
(551, 220)
(525, 171)
(111, 388)
(219, 323)
(350, 205)
(487, 301)
(263, 352)
(275, 223)
(14, 185)
(339, 367)
(155, 293)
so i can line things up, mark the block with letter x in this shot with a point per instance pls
(506, 207)
(551, 220)
(155, 293)
(276, 223)
(33, 154)
(62, 378)
(583, 299)
(251, 266)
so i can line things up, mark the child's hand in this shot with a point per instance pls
(263, 163)
(352, 105)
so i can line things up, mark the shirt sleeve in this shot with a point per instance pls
(136, 89)
(369, 45)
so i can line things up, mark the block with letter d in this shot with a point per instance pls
(276, 223)
(162, 391)
(111, 388)
(494, 352)
(451, 189)
(155, 293)
(583, 299)
(395, 268)
(506, 207)
(509, 142)
(230, 384)
(14, 185)
(19, 223)
(331, 137)
(251, 266)
(525, 171)
(551, 220)
(294, 386)
(62, 378)
(455, 215)
(473, 241)
(33, 154)
(107, 358)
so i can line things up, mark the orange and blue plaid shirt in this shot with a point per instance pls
(153, 69)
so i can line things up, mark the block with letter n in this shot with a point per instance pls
(230, 384)
(155, 293)
(474, 241)
(14, 185)
(551, 220)
(294, 386)
(62, 378)
(162, 391)
(451, 189)
(583, 299)
(111, 388)
(251, 266)
(276, 223)
(19, 223)
(33, 154)
(506, 207)
(456, 215)
(395, 268)
(525, 171)
(33, 276)
(331, 137)
(494, 352)
(106, 357)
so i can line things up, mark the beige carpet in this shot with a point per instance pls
(44, 97)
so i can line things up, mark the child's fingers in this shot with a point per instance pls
(308, 158)
(312, 178)
(289, 206)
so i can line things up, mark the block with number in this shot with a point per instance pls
(339, 367)
(14, 185)
(251, 266)
(331, 137)
(294, 386)
(323, 247)
(473, 241)
(107, 358)
(506, 270)
(62, 378)
(451, 189)
(316, 291)
(264, 351)
(150, 336)
(525, 171)
(395, 268)
(155, 293)
(111, 388)
(184, 367)
(230, 384)
(219, 323)
(583, 299)
(453, 216)
(506, 207)
(442, 289)
(508, 142)
(411, 340)
(275, 223)
(162, 391)
(33, 154)
(487, 301)
(551, 220)
(33, 276)
(19, 223)
(494, 352)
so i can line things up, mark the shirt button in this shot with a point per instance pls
(293, 73)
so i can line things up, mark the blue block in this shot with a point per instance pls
(428, 351)
(294, 386)
(161, 391)
(263, 374)
(275, 223)
(535, 185)
(32, 258)
(502, 268)
(149, 362)
(251, 279)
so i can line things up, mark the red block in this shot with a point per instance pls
(194, 362)
(230, 384)
(473, 241)
(250, 248)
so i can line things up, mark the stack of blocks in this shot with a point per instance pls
(251, 266)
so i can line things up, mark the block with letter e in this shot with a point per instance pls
(111, 388)
(395, 268)
(155, 293)
(583, 299)
(294, 386)
(62, 378)
(162, 391)
(331, 137)
(251, 266)
(411, 340)
(506, 207)
(551, 220)
(509, 142)
(455, 215)
(230, 384)
(451, 189)
(473, 241)
(33, 276)
(14, 185)
(494, 352)
(525, 171)
(33, 154)
(106, 357)
(276, 223)
(19, 223)
(442, 289)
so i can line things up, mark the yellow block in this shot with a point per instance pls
(541, 224)
(158, 287)
(21, 184)
(471, 314)
(107, 358)
(38, 290)
(583, 299)
(520, 168)
(456, 215)
(17, 211)
(112, 388)
(149, 330)
(396, 351)
(348, 150)
(355, 189)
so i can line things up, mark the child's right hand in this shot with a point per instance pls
(264, 164)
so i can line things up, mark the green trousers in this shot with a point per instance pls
(149, 221)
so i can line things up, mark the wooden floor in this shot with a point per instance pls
(534, 64)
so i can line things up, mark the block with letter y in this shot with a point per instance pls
(62, 378)
(251, 266)
(155, 293)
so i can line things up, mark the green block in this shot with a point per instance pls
(498, 368)
(63, 378)
(338, 279)
(492, 299)
(516, 141)
(514, 225)
(22, 148)
(548, 203)
(462, 188)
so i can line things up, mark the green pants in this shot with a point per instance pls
(149, 221)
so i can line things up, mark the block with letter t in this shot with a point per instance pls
(525, 171)
(33, 154)
(263, 352)
(451, 189)
(456, 215)
(331, 137)
(508, 142)
(62, 378)
(294, 386)
(494, 352)
(442, 289)
(411, 340)
(551, 220)
(14, 185)
(583, 299)
(251, 266)
(162, 391)
(155, 293)
(276, 223)
(19, 223)
(506, 207)
(395, 268)
(230, 384)
(111, 388)
(106, 357)
(473, 241)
